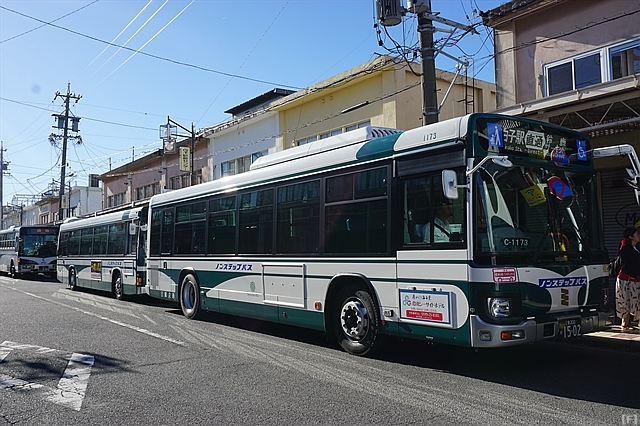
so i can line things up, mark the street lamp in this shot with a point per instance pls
(169, 135)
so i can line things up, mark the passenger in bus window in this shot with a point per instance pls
(442, 230)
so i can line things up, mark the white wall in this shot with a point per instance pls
(254, 135)
(85, 199)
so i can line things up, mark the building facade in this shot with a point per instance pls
(44, 209)
(386, 89)
(576, 63)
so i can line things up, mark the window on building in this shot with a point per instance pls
(174, 182)
(117, 199)
(228, 168)
(240, 164)
(575, 73)
(605, 64)
(625, 60)
(198, 176)
(333, 132)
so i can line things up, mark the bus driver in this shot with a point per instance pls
(442, 231)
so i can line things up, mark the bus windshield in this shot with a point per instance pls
(531, 214)
(38, 244)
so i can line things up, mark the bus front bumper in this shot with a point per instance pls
(34, 269)
(487, 335)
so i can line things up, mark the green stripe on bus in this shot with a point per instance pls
(279, 314)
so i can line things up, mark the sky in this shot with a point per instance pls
(134, 63)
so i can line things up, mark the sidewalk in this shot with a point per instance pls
(614, 337)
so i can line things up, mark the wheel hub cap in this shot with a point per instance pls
(354, 319)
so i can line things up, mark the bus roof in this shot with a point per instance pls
(104, 219)
(16, 228)
(354, 147)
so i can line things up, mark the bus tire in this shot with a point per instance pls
(190, 296)
(356, 320)
(12, 271)
(73, 284)
(118, 291)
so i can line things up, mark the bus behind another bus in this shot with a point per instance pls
(105, 252)
(28, 250)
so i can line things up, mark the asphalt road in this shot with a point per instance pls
(85, 358)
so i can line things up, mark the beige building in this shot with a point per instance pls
(576, 63)
(384, 92)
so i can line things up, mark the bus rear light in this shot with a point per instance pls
(512, 335)
(139, 281)
(484, 335)
(318, 306)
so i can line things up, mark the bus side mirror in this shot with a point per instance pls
(450, 184)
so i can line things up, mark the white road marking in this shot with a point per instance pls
(73, 384)
(4, 352)
(8, 382)
(120, 323)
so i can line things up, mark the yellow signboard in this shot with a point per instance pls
(185, 159)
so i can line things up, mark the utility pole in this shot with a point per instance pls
(390, 13)
(427, 52)
(64, 119)
(3, 167)
(169, 135)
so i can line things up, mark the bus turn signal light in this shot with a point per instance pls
(512, 335)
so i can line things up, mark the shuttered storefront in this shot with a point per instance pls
(619, 208)
(619, 211)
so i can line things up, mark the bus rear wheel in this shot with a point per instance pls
(190, 296)
(355, 320)
(118, 291)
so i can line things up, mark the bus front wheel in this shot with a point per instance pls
(12, 271)
(355, 320)
(190, 296)
(72, 280)
(118, 291)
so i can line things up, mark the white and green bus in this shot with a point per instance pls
(105, 252)
(480, 231)
(28, 250)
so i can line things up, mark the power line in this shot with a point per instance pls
(48, 23)
(173, 61)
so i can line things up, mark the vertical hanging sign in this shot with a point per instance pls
(185, 159)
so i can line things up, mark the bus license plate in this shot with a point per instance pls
(570, 328)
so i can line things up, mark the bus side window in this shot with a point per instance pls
(417, 207)
(430, 217)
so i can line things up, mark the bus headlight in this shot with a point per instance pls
(499, 307)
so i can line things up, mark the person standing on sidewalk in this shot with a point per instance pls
(628, 280)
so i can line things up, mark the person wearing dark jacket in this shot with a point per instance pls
(628, 280)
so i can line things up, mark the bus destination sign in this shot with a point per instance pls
(545, 143)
